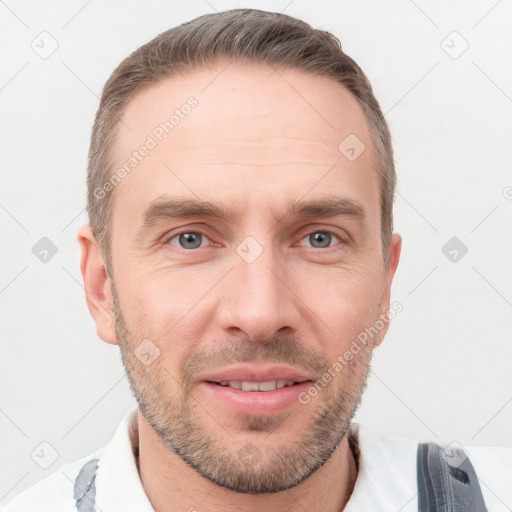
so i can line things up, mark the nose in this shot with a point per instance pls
(258, 298)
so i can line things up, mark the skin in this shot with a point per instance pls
(252, 143)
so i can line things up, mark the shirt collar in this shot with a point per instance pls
(386, 478)
(118, 484)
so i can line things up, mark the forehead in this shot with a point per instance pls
(238, 132)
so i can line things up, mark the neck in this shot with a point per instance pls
(171, 484)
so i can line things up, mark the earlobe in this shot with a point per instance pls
(97, 284)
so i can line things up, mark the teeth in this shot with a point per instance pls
(267, 386)
(249, 386)
(257, 386)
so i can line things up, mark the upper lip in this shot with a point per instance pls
(256, 373)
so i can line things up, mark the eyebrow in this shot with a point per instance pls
(176, 208)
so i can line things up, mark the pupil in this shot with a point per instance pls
(323, 238)
(187, 240)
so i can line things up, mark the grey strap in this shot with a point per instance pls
(84, 492)
(447, 481)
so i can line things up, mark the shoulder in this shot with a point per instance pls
(493, 467)
(388, 471)
(55, 493)
(103, 476)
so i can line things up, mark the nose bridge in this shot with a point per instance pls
(257, 299)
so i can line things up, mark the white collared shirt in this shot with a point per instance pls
(386, 479)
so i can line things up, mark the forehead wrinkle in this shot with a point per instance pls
(245, 150)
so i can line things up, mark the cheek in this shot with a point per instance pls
(156, 302)
(347, 302)
(164, 308)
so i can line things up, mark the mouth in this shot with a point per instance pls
(269, 385)
(256, 390)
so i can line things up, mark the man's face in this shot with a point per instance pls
(266, 295)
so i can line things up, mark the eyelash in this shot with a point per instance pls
(167, 240)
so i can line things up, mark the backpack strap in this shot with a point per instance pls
(84, 492)
(447, 481)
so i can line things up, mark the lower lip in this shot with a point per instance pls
(256, 403)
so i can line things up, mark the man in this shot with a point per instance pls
(240, 252)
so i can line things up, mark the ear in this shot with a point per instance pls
(97, 283)
(395, 247)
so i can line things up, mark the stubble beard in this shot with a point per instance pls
(250, 468)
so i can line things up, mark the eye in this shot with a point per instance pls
(321, 239)
(188, 240)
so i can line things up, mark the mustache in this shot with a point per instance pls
(279, 349)
(276, 350)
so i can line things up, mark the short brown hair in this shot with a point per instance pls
(239, 35)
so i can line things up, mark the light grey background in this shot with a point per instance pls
(443, 372)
